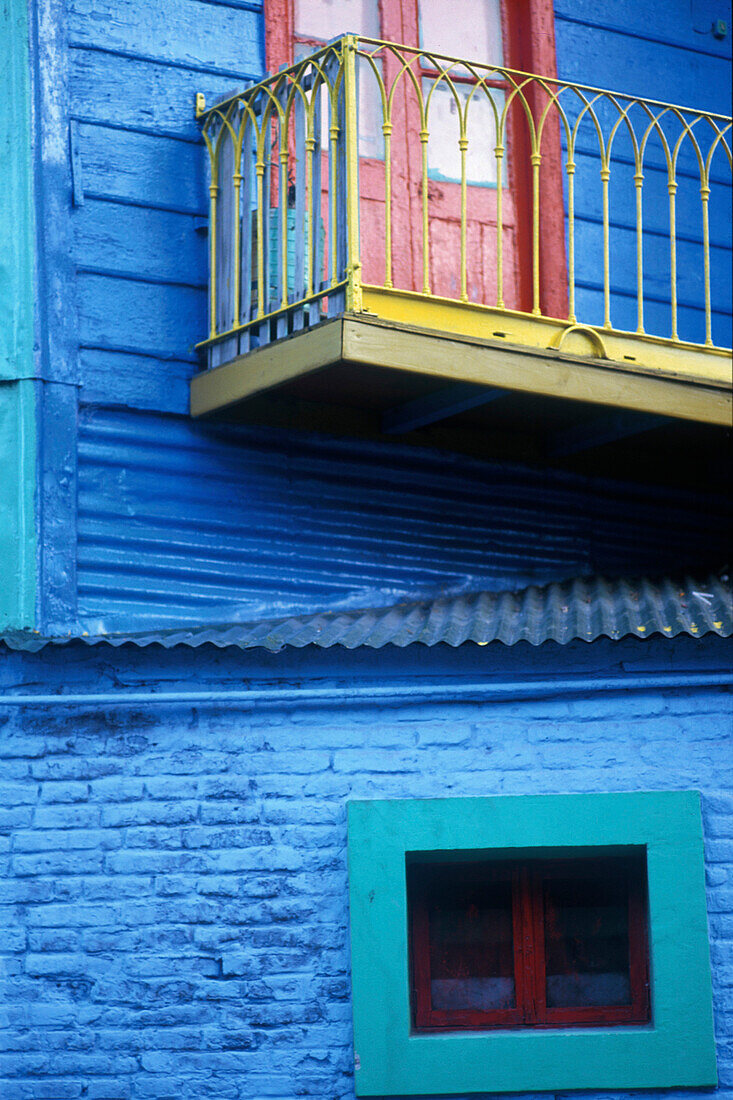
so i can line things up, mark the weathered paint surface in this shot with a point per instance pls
(17, 368)
(123, 242)
(173, 880)
(665, 52)
(173, 914)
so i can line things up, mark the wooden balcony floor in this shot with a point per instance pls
(416, 369)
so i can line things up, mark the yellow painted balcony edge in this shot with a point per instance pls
(692, 362)
(378, 342)
(546, 371)
(272, 365)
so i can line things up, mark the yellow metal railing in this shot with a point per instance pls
(369, 164)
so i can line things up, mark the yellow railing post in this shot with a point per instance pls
(312, 208)
(499, 155)
(704, 197)
(672, 189)
(463, 147)
(261, 223)
(351, 157)
(213, 194)
(570, 172)
(638, 185)
(605, 177)
(237, 178)
(424, 138)
(387, 135)
(536, 161)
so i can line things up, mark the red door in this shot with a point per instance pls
(430, 248)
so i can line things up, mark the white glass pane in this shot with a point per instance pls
(371, 140)
(484, 994)
(462, 28)
(444, 157)
(325, 19)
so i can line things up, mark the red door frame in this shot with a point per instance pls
(529, 34)
(530, 38)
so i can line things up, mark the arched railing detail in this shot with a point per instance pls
(304, 164)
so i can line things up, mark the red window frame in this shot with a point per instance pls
(528, 29)
(527, 879)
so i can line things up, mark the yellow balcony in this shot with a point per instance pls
(399, 238)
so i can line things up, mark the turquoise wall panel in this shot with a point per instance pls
(17, 367)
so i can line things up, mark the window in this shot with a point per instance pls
(528, 943)
(608, 885)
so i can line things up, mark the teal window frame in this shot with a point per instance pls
(677, 1049)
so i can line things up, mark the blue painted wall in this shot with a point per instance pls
(140, 253)
(121, 254)
(173, 883)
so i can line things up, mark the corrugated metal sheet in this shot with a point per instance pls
(585, 608)
(200, 523)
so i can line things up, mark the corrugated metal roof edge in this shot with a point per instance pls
(583, 608)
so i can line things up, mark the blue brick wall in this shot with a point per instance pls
(173, 916)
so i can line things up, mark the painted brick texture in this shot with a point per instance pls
(173, 884)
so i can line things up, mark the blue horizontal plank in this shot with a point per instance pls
(657, 316)
(134, 381)
(624, 64)
(143, 318)
(158, 172)
(686, 24)
(622, 251)
(144, 244)
(185, 32)
(137, 94)
(248, 5)
(655, 202)
(112, 56)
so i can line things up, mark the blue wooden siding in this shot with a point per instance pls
(665, 52)
(138, 223)
(139, 250)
